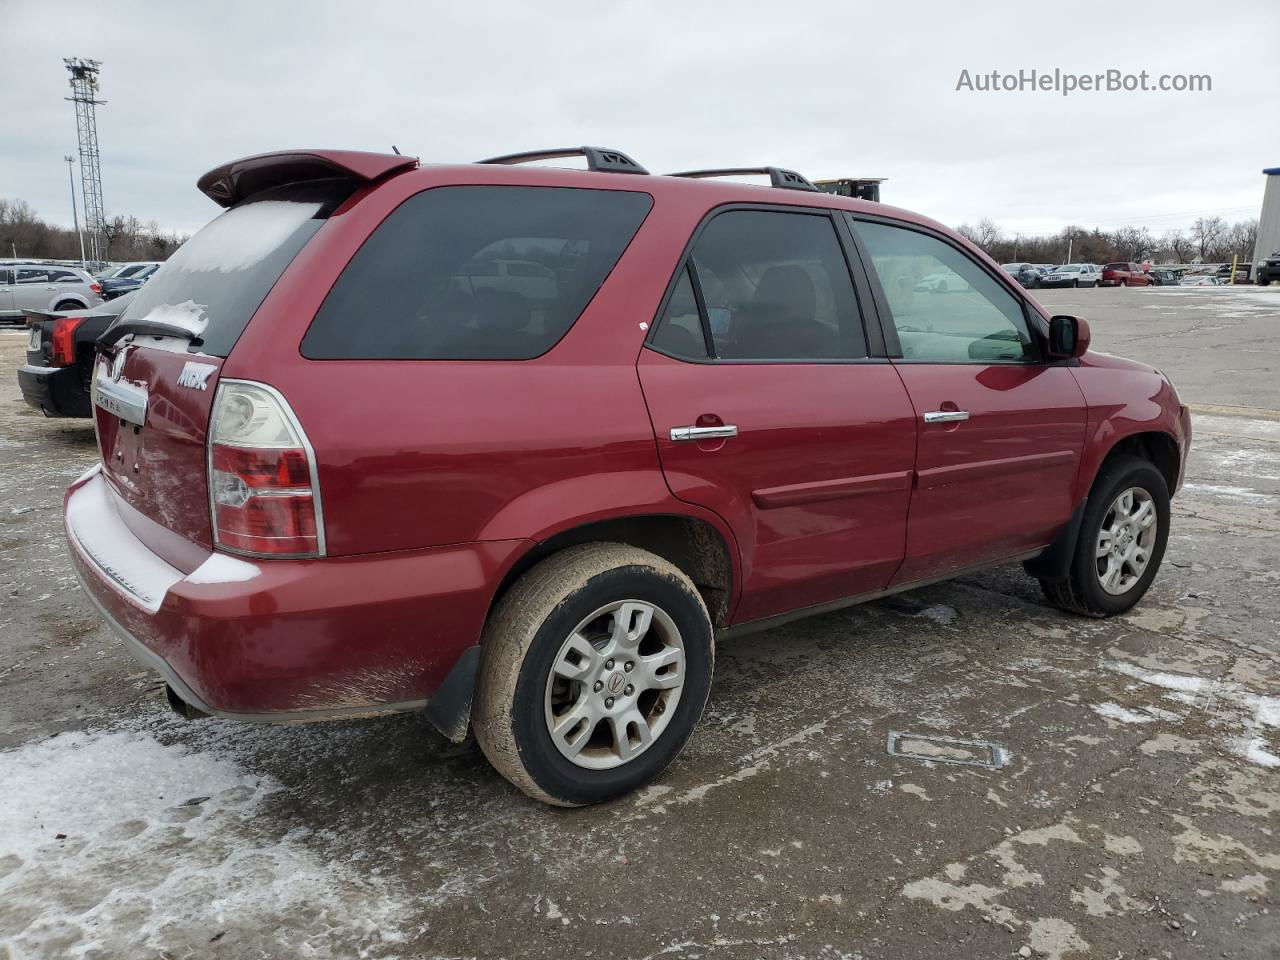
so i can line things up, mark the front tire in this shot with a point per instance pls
(1121, 543)
(595, 668)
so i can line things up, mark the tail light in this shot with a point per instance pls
(62, 345)
(263, 489)
(95, 287)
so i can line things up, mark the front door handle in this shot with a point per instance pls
(704, 433)
(946, 416)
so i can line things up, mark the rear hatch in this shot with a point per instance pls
(157, 371)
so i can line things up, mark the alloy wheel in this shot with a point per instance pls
(614, 684)
(1125, 540)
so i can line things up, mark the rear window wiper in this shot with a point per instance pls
(155, 328)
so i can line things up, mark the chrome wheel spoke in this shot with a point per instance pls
(1111, 579)
(577, 658)
(1145, 516)
(631, 734)
(1106, 542)
(631, 623)
(665, 670)
(574, 729)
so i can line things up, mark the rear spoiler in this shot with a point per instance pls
(232, 182)
(39, 316)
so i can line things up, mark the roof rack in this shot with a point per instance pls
(599, 159)
(778, 177)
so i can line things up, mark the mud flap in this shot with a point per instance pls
(449, 709)
(1055, 562)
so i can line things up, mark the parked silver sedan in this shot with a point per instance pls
(43, 286)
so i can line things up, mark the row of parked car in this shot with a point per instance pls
(1119, 274)
(58, 287)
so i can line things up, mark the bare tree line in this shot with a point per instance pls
(24, 234)
(1209, 240)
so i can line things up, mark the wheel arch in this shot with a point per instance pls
(1157, 447)
(705, 551)
(81, 302)
(699, 547)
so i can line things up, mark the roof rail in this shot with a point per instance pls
(599, 159)
(778, 177)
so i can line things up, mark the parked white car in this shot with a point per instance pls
(1072, 275)
(42, 286)
(531, 280)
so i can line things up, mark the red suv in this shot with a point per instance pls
(1125, 275)
(514, 445)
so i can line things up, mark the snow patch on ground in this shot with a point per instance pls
(1113, 711)
(115, 844)
(1224, 490)
(1181, 682)
(1255, 750)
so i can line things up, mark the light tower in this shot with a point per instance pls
(84, 90)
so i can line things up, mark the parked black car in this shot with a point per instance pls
(1269, 269)
(1025, 273)
(1165, 277)
(60, 351)
(118, 286)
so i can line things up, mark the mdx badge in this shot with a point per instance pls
(196, 375)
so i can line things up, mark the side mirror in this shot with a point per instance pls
(1068, 337)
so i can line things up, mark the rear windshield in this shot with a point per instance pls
(475, 273)
(216, 280)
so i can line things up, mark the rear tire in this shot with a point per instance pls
(1117, 554)
(68, 305)
(596, 645)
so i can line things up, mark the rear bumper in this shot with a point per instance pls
(277, 640)
(55, 391)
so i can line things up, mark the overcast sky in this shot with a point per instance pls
(839, 88)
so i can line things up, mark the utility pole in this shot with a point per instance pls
(84, 90)
(75, 217)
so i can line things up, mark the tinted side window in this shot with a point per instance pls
(679, 331)
(945, 307)
(776, 287)
(33, 276)
(426, 285)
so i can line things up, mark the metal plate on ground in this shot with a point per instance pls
(935, 749)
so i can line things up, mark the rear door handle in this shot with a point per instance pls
(946, 416)
(704, 433)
